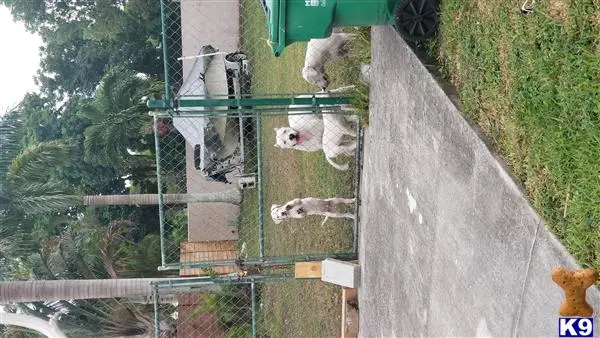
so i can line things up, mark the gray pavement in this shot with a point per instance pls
(448, 244)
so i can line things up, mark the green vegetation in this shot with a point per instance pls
(232, 304)
(98, 60)
(531, 82)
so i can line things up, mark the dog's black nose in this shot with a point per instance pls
(292, 137)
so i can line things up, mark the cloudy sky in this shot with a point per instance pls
(19, 60)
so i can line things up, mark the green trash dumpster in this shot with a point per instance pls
(290, 21)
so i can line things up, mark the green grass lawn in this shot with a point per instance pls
(296, 308)
(532, 83)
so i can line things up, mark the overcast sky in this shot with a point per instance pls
(19, 60)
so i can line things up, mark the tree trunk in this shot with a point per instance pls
(233, 196)
(49, 329)
(51, 290)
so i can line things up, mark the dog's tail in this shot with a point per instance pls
(337, 166)
(325, 220)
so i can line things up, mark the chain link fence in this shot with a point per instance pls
(257, 167)
(249, 306)
(220, 156)
(263, 197)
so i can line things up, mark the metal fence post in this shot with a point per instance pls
(253, 288)
(156, 310)
(261, 211)
(161, 215)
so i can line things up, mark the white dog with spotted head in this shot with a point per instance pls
(301, 207)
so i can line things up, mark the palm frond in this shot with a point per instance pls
(33, 162)
(10, 135)
(42, 203)
(40, 267)
(94, 143)
(13, 240)
(37, 189)
(117, 114)
(114, 238)
(91, 112)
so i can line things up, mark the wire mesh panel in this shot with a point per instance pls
(222, 157)
(204, 176)
(303, 66)
(246, 187)
(271, 306)
(217, 204)
(225, 45)
(310, 182)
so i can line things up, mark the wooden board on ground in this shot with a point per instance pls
(349, 313)
(308, 270)
(193, 252)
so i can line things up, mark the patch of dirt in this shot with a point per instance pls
(559, 9)
(458, 16)
(536, 182)
(486, 7)
(504, 68)
(491, 118)
(455, 76)
(595, 20)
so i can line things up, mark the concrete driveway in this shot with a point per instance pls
(449, 246)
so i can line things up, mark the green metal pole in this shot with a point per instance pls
(163, 24)
(261, 195)
(161, 214)
(253, 310)
(263, 261)
(190, 283)
(357, 173)
(161, 217)
(252, 112)
(274, 101)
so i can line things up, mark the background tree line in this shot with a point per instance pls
(86, 132)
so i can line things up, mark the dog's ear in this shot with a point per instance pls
(275, 128)
(274, 214)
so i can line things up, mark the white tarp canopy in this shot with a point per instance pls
(199, 130)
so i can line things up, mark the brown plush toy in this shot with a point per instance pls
(575, 284)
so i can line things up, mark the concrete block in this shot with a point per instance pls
(341, 273)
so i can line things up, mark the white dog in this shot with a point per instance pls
(318, 52)
(311, 133)
(301, 207)
(305, 131)
(335, 128)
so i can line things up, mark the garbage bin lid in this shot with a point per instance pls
(276, 24)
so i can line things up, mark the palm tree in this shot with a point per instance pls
(119, 118)
(233, 196)
(72, 289)
(49, 329)
(51, 290)
(86, 251)
(28, 187)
